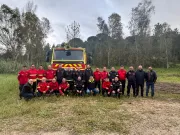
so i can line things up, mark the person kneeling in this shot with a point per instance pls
(91, 87)
(79, 87)
(54, 87)
(43, 87)
(63, 87)
(27, 91)
(116, 88)
(106, 87)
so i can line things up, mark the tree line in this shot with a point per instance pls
(158, 46)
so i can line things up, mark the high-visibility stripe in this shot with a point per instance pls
(32, 75)
(56, 65)
(75, 65)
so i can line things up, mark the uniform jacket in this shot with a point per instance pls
(23, 77)
(81, 74)
(112, 75)
(53, 86)
(64, 86)
(91, 84)
(68, 75)
(43, 86)
(79, 84)
(97, 75)
(40, 74)
(50, 74)
(122, 74)
(60, 74)
(87, 73)
(116, 85)
(104, 75)
(106, 85)
(131, 76)
(140, 77)
(32, 74)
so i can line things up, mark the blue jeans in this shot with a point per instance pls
(95, 91)
(27, 96)
(148, 85)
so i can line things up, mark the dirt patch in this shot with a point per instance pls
(152, 117)
(168, 87)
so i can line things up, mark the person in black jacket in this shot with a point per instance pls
(112, 74)
(79, 87)
(150, 78)
(91, 88)
(140, 77)
(60, 74)
(87, 73)
(27, 91)
(131, 81)
(80, 73)
(116, 88)
(69, 77)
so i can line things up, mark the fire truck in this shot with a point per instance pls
(68, 56)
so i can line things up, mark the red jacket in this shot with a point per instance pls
(106, 85)
(104, 75)
(40, 74)
(64, 86)
(122, 74)
(32, 74)
(53, 86)
(43, 86)
(97, 75)
(50, 74)
(23, 77)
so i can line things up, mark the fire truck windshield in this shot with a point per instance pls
(68, 55)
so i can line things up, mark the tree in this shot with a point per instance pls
(115, 26)
(102, 26)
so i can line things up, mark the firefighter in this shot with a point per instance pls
(32, 74)
(91, 86)
(97, 78)
(49, 74)
(131, 81)
(74, 74)
(104, 74)
(79, 87)
(69, 77)
(40, 74)
(150, 78)
(122, 77)
(116, 87)
(60, 74)
(63, 87)
(23, 79)
(87, 73)
(112, 74)
(106, 87)
(140, 77)
(54, 87)
(43, 87)
(27, 91)
(80, 73)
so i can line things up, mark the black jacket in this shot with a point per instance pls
(60, 74)
(68, 75)
(87, 73)
(28, 88)
(151, 76)
(91, 85)
(140, 77)
(131, 76)
(80, 73)
(116, 85)
(112, 75)
(79, 85)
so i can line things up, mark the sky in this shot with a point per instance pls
(63, 12)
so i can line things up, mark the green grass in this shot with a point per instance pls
(77, 115)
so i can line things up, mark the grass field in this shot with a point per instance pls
(92, 115)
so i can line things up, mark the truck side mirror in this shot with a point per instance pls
(48, 53)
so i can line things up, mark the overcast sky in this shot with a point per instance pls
(85, 12)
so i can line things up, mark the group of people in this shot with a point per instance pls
(39, 82)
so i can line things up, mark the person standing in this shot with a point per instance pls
(79, 73)
(112, 74)
(122, 77)
(49, 74)
(104, 74)
(131, 81)
(40, 74)
(140, 77)
(87, 73)
(97, 78)
(150, 78)
(32, 74)
(23, 79)
(60, 74)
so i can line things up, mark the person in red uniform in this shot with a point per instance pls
(106, 87)
(54, 87)
(32, 74)
(50, 74)
(40, 74)
(63, 87)
(97, 78)
(23, 79)
(43, 87)
(122, 77)
(104, 74)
